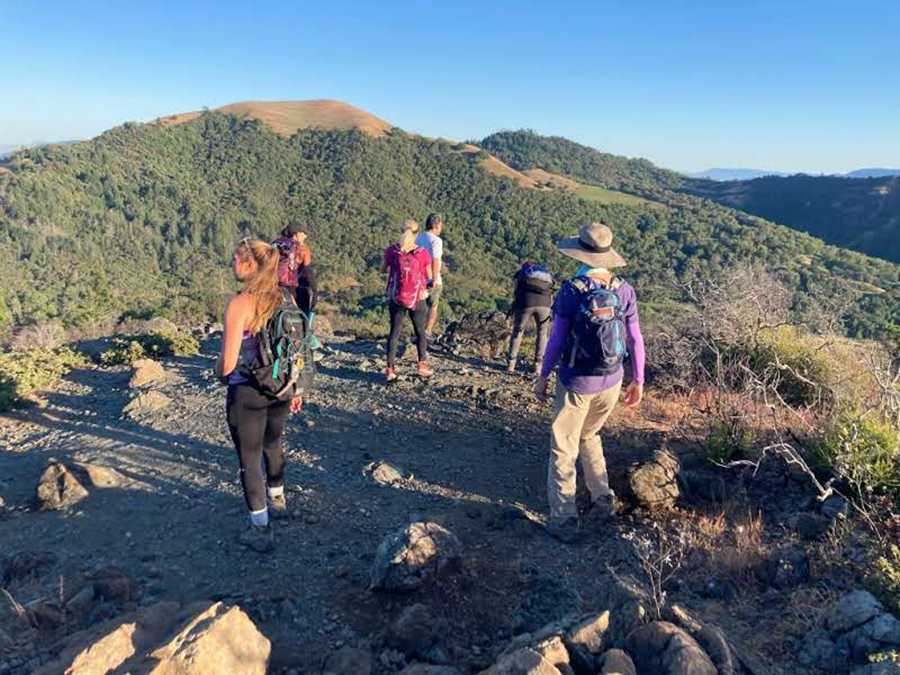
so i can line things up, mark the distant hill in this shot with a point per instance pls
(286, 117)
(873, 173)
(734, 174)
(142, 220)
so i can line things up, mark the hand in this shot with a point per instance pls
(634, 392)
(296, 404)
(540, 389)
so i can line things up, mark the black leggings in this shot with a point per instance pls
(418, 315)
(256, 423)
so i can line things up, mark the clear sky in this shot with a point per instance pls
(792, 85)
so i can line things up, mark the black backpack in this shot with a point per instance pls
(283, 367)
(597, 344)
(536, 279)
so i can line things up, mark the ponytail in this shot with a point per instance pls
(262, 284)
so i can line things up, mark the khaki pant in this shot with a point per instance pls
(576, 423)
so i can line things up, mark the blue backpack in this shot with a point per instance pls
(596, 343)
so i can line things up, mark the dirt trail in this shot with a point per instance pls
(472, 441)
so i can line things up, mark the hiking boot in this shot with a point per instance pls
(278, 508)
(603, 508)
(537, 369)
(511, 367)
(424, 370)
(390, 375)
(260, 539)
(564, 529)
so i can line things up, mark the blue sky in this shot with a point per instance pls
(791, 86)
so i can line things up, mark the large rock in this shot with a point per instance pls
(484, 334)
(413, 555)
(64, 485)
(148, 402)
(554, 651)
(654, 484)
(523, 661)
(384, 473)
(809, 525)
(616, 662)
(25, 564)
(882, 668)
(664, 648)
(585, 641)
(877, 635)
(144, 372)
(348, 661)
(203, 638)
(853, 609)
(819, 651)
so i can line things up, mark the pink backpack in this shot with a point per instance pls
(407, 279)
(289, 263)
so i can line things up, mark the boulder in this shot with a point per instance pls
(664, 648)
(585, 641)
(879, 634)
(715, 643)
(64, 485)
(159, 640)
(113, 584)
(818, 650)
(853, 609)
(654, 485)
(553, 650)
(348, 661)
(787, 567)
(523, 661)
(218, 639)
(616, 662)
(58, 488)
(413, 555)
(483, 334)
(24, 564)
(144, 372)
(159, 324)
(150, 401)
(384, 473)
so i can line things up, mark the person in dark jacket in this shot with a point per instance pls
(532, 300)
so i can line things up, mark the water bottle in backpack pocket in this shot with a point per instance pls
(597, 342)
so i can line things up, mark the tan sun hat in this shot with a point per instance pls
(592, 246)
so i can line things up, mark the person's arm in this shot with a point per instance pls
(232, 335)
(437, 253)
(555, 346)
(385, 260)
(634, 392)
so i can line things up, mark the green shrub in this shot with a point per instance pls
(863, 449)
(885, 579)
(727, 441)
(156, 345)
(26, 371)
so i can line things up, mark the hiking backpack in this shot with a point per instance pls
(289, 261)
(283, 367)
(407, 284)
(536, 278)
(596, 343)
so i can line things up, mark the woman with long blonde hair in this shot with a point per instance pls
(255, 420)
(409, 277)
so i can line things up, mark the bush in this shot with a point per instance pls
(24, 372)
(729, 440)
(158, 345)
(885, 579)
(865, 450)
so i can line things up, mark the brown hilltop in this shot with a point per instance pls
(286, 117)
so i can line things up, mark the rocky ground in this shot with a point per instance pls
(155, 507)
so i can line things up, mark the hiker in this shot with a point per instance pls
(431, 241)
(256, 420)
(409, 271)
(594, 314)
(294, 256)
(533, 296)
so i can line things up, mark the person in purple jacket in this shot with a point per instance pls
(595, 321)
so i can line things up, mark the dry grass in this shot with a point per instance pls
(286, 117)
(732, 540)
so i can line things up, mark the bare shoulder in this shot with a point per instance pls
(238, 307)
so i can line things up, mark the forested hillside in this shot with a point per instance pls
(856, 213)
(142, 220)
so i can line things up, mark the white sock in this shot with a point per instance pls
(276, 491)
(260, 518)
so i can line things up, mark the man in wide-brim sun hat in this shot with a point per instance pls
(595, 326)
